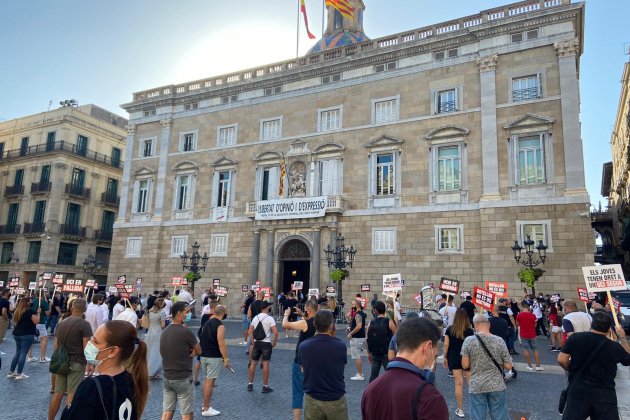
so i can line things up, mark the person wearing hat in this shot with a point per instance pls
(129, 314)
(262, 347)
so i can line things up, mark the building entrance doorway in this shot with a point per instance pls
(295, 265)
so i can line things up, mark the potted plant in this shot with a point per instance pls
(530, 276)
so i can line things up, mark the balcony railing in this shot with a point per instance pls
(71, 230)
(78, 191)
(13, 190)
(60, 146)
(40, 187)
(103, 235)
(334, 204)
(528, 94)
(10, 230)
(110, 199)
(447, 106)
(33, 228)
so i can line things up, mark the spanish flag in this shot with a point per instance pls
(303, 9)
(283, 174)
(343, 7)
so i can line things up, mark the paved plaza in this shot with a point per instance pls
(533, 396)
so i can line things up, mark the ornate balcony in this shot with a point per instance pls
(34, 228)
(40, 187)
(110, 200)
(73, 232)
(61, 147)
(10, 230)
(334, 204)
(78, 191)
(103, 235)
(14, 191)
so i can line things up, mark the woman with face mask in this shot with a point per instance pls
(117, 392)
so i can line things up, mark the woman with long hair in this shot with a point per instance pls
(26, 320)
(157, 322)
(453, 341)
(556, 328)
(117, 392)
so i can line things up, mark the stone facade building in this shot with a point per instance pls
(61, 171)
(432, 151)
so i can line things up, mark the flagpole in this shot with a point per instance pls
(323, 15)
(297, 37)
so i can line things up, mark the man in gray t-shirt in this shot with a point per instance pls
(487, 387)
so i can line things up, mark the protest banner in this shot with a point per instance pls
(19, 291)
(583, 294)
(483, 298)
(331, 290)
(58, 279)
(47, 276)
(122, 279)
(365, 288)
(125, 290)
(449, 285)
(90, 283)
(32, 285)
(72, 286)
(555, 298)
(297, 285)
(14, 282)
(217, 282)
(221, 291)
(605, 278)
(392, 283)
(464, 295)
(244, 288)
(499, 289)
(313, 292)
(418, 299)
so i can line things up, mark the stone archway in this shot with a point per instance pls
(294, 259)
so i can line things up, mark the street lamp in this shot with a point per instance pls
(530, 262)
(340, 257)
(91, 265)
(194, 266)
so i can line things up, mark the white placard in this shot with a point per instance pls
(291, 208)
(392, 283)
(601, 278)
(297, 285)
(313, 292)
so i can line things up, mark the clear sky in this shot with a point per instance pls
(102, 51)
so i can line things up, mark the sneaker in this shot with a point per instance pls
(460, 413)
(44, 359)
(539, 368)
(266, 389)
(529, 368)
(250, 387)
(21, 377)
(357, 377)
(12, 375)
(210, 412)
(31, 359)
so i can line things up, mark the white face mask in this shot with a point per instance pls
(91, 353)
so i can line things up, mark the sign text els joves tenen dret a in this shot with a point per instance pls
(604, 278)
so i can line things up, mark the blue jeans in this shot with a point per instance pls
(23, 344)
(297, 378)
(493, 402)
(510, 339)
(51, 323)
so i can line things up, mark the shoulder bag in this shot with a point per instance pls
(100, 396)
(487, 351)
(60, 359)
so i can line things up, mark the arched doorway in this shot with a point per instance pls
(295, 265)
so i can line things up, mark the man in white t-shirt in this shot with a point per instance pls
(168, 303)
(184, 295)
(93, 314)
(448, 312)
(129, 314)
(119, 307)
(262, 348)
(104, 309)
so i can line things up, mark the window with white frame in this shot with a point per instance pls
(330, 119)
(227, 136)
(531, 160)
(146, 147)
(330, 176)
(141, 196)
(385, 175)
(385, 110)
(271, 129)
(448, 168)
(449, 239)
(184, 192)
(219, 245)
(134, 247)
(188, 141)
(223, 185)
(268, 183)
(537, 230)
(526, 88)
(178, 245)
(383, 240)
(446, 101)
(380, 68)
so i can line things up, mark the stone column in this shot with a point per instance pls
(315, 259)
(489, 148)
(570, 102)
(268, 280)
(125, 189)
(158, 213)
(255, 258)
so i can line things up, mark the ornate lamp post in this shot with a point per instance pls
(91, 265)
(195, 258)
(530, 262)
(340, 257)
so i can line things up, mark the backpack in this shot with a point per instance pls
(379, 336)
(60, 360)
(259, 332)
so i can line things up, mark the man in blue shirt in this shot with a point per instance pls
(324, 385)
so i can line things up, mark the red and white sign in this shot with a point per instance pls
(449, 285)
(500, 289)
(176, 281)
(267, 291)
(483, 298)
(217, 282)
(418, 299)
(616, 304)
(604, 278)
(58, 279)
(125, 290)
(297, 285)
(392, 283)
(331, 289)
(14, 282)
(365, 288)
(72, 286)
(221, 291)
(582, 294)
(47, 276)
(122, 279)
(90, 283)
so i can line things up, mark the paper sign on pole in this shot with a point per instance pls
(58, 279)
(47, 276)
(90, 283)
(555, 298)
(365, 287)
(616, 304)
(20, 291)
(122, 279)
(221, 291)
(297, 285)
(176, 281)
(32, 285)
(14, 282)
(500, 289)
(313, 292)
(604, 278)
(392, 283)
(418, 299)
(331, 289)
(449, 285)
(583, 294)
(244, 288)
(256, 287)
(464, 295)
(217, 282)
(267, 291)
(184, 281)
(72, 286)
(483, 298)
(112, 289)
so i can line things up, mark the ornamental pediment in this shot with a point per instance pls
(268, 156)
(298, 147)
(329, 147)
(144, 171)
(385, 142)
(224, 161)
(447, 132)
(530, 121)
(186, 165)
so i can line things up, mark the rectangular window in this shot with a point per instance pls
(147, 147)
(33, 252)
(39, 217)
(330, 120)
(537, 230)
(67, 253)
(273, 90)
(269, 183)
(50, 141)
(228, 99)
(329, 175)
(7, 253)
(150, 112)
(385, 175)
(142, 200)
(12, 215)
(111, 190)
(107, 224)
(78, 178)
(134, 247)
(223, 194)
(271, 129)
(330, 79)
(526, 88)
(82, 145)
(449, 163)
(441, 55)
(115, 157)
(188, 142)
(227, 136)
(73, 217)
(531, 169)
(44, 176)
(19, 178)
(385, 111)
(24, 146)
(1, 150)
(219, 245)
(384, 241)
(449, 239)
(446, 101)
(379, 68)
(178, 245)
(183, 193)
(191, 106)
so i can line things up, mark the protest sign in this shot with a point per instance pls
(464, 295)
(72, 286)
(184, 281)
(392, 283)
(255, 287)
(267, 291)
(32, 285)
(616, 304)
(217, 282)
(297, 285)
(313, 292)
(20, 291)
(483, 298)
(221, 291)
(90, 283)
(58, 279)
(122, 279)
(365, 287)
(1, 284)
(331, 289)
(418, 299)
(46, 276)
(112, 289)
(582, 294)
(14, 282)
(604, 278)
(449, 285)
(176, 281)
(244, 288)
(555, 298)
(500, 289)
(125, 290)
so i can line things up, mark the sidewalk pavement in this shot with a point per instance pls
(623, 391)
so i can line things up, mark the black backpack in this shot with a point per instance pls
(379, 336)
(259, 332)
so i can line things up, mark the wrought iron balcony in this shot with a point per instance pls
(14, 190)
(110, 199)
(34, 228)
(10, 230)
(40, 187)
(78, 191)
(63, 147)
(447, 106)
(103, 235)
(528, 94)
(72, 230)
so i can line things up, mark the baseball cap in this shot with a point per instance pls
(265, 304)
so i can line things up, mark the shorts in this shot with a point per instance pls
(556, 330)
(297, 380)
(211, 367)
(529, 344)
(70, 382)
(454, 362)
(41, 329)
(262, 348)
(181, 391)
(356, 347)
(246, 322)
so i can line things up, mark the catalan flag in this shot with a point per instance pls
(303, 9)
(283, 174)
(343, 7)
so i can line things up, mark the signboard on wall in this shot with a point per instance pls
(291, 208)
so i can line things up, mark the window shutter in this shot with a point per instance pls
(456, 94)
(232, 188)
(395, 159)
(259, 179)
(325, 177)
(335, 171)
(540, 90)
(134, 202)
(149, 194)
(543, 159)
(514, 144)
(191, 192)
(215, 190)
(436, 105)
(274, 183)
(372, 174)
(176, 192)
